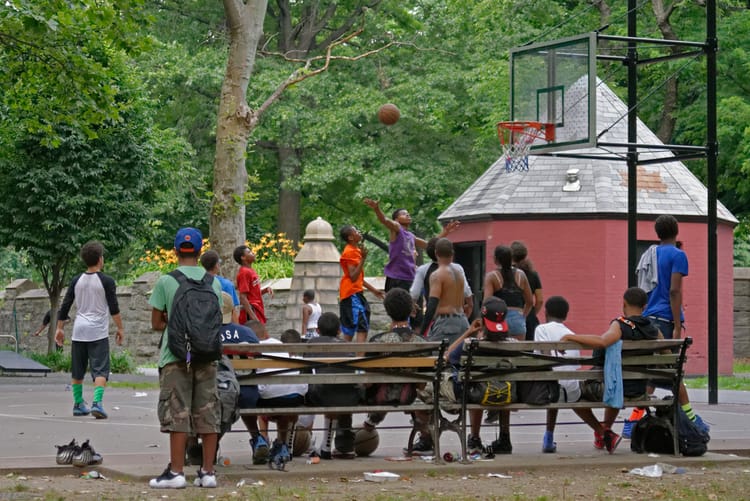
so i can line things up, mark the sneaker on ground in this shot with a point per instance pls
(279, 455)
(474, 445)
(86, 456)
(205, 479)
(502, 445)
(611, 441)
(627, 429)
(423, 447)
(260, 450)
(80, 409)
(168, 480)
(548, 443)
(66, 452)
(98, 411)
(598, 441)
(325, 454)
(701, 425)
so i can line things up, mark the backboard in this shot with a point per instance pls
(555, 83)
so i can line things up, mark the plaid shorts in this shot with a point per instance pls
(188, 399)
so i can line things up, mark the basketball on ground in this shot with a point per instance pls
(389, 114)
(302, 441)
(366, 441)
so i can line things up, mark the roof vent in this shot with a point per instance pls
(572, 183)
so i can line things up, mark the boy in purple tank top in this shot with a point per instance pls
(402, 247)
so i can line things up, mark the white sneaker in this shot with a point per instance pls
(205, 479)
(169, 480)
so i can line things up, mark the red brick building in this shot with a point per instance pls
(577, 236)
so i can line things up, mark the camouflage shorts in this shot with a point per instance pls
(188, 399)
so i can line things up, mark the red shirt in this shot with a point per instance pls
(351, 256)
(248, 283)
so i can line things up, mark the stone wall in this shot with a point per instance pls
(742, 313)
(23, 305)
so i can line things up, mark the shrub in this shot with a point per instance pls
(121, 362)
(57, 361)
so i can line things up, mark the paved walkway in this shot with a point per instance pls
(35, 413)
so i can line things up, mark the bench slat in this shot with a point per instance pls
(295, 363)
(303, 348)
(370, 378)
(357, 409)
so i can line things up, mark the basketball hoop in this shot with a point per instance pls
(516, 139)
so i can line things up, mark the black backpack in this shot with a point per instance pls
(194, 327)
(653, 433)
(538, 392)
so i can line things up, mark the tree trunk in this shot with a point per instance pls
(667, 121)
(289, 200)
(235, 123)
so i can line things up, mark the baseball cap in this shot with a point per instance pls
(493, 313)
(188, 236)
(227, 305)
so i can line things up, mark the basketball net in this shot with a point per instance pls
(516, 139)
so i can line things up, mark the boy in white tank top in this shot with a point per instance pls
(310, 314)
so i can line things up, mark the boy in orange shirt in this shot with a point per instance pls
(353, 307)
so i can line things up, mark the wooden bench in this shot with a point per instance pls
(424, 363)
(661, 360)
(421, 363)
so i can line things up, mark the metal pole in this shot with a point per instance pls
(712, 46)
(632, 62)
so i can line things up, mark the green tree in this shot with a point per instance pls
(54, 62)
(53, 199)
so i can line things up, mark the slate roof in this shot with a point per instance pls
(663, 188)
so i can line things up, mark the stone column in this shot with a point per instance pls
(316, 267)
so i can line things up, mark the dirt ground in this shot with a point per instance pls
(713, 482)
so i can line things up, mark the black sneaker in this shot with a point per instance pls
(325, 454)
(474, 445)
(502, 445)
(66, 452)
(86, 456)
(423, 447)
(168, 480)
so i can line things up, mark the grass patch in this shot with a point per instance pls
(740, 381)
(145, 385)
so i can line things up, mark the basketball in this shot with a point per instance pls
(389, 114)
(366, 441)
(302, 441)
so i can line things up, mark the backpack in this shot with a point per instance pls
(194, 326)
(692, 440)
(652, 434)
(538, 392)
(228, 389)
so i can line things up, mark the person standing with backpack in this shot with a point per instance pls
(190, 320)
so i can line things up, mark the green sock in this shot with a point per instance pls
(689, 411)
(77, 393)
(98, 393)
